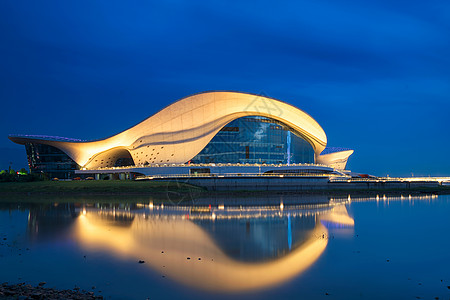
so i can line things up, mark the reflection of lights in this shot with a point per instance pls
(84, 211)
(223, 274)
(281, 206)
(289, 232)
(221, 207)
(150, 205)
(162, 206)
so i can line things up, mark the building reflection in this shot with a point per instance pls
(50, 221)
(215, 248)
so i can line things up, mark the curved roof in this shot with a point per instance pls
(181, 130)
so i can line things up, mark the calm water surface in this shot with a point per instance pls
(283, 247)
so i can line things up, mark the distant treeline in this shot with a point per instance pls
(19, 176)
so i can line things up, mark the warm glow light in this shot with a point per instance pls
(180, 237)
(184, 118)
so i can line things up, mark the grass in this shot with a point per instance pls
(136, 191)
(94, 187)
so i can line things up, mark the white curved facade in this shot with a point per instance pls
(336, 160)
(180, 131)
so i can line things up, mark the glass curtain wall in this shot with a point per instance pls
(50, 161)
(256, 140)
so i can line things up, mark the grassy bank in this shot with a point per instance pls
(161, 191)
(94, 187)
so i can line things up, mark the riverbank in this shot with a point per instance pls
(94, 187)
(170, 191)
(27, 291)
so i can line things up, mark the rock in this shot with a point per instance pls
(42, 283)
(199, 258)
(142, 261)
(188, 258)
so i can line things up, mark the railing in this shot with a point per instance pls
(240, 175)
(392, 179)
(211, 165)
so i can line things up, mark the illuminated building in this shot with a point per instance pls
(211, 127)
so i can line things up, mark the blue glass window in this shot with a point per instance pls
(256, 140)
(50, 160)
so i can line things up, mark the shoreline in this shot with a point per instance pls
(27, 291)
(160, 190)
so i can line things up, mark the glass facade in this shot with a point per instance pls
(256, 140)
(48, 160)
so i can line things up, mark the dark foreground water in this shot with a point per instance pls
(279, 248)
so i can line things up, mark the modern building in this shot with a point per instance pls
(208, 128)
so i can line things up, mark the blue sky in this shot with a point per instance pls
(375, 75)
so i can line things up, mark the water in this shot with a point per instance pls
(282, 247)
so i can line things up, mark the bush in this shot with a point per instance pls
(12, 176)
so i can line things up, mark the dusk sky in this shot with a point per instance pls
(375, 75)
